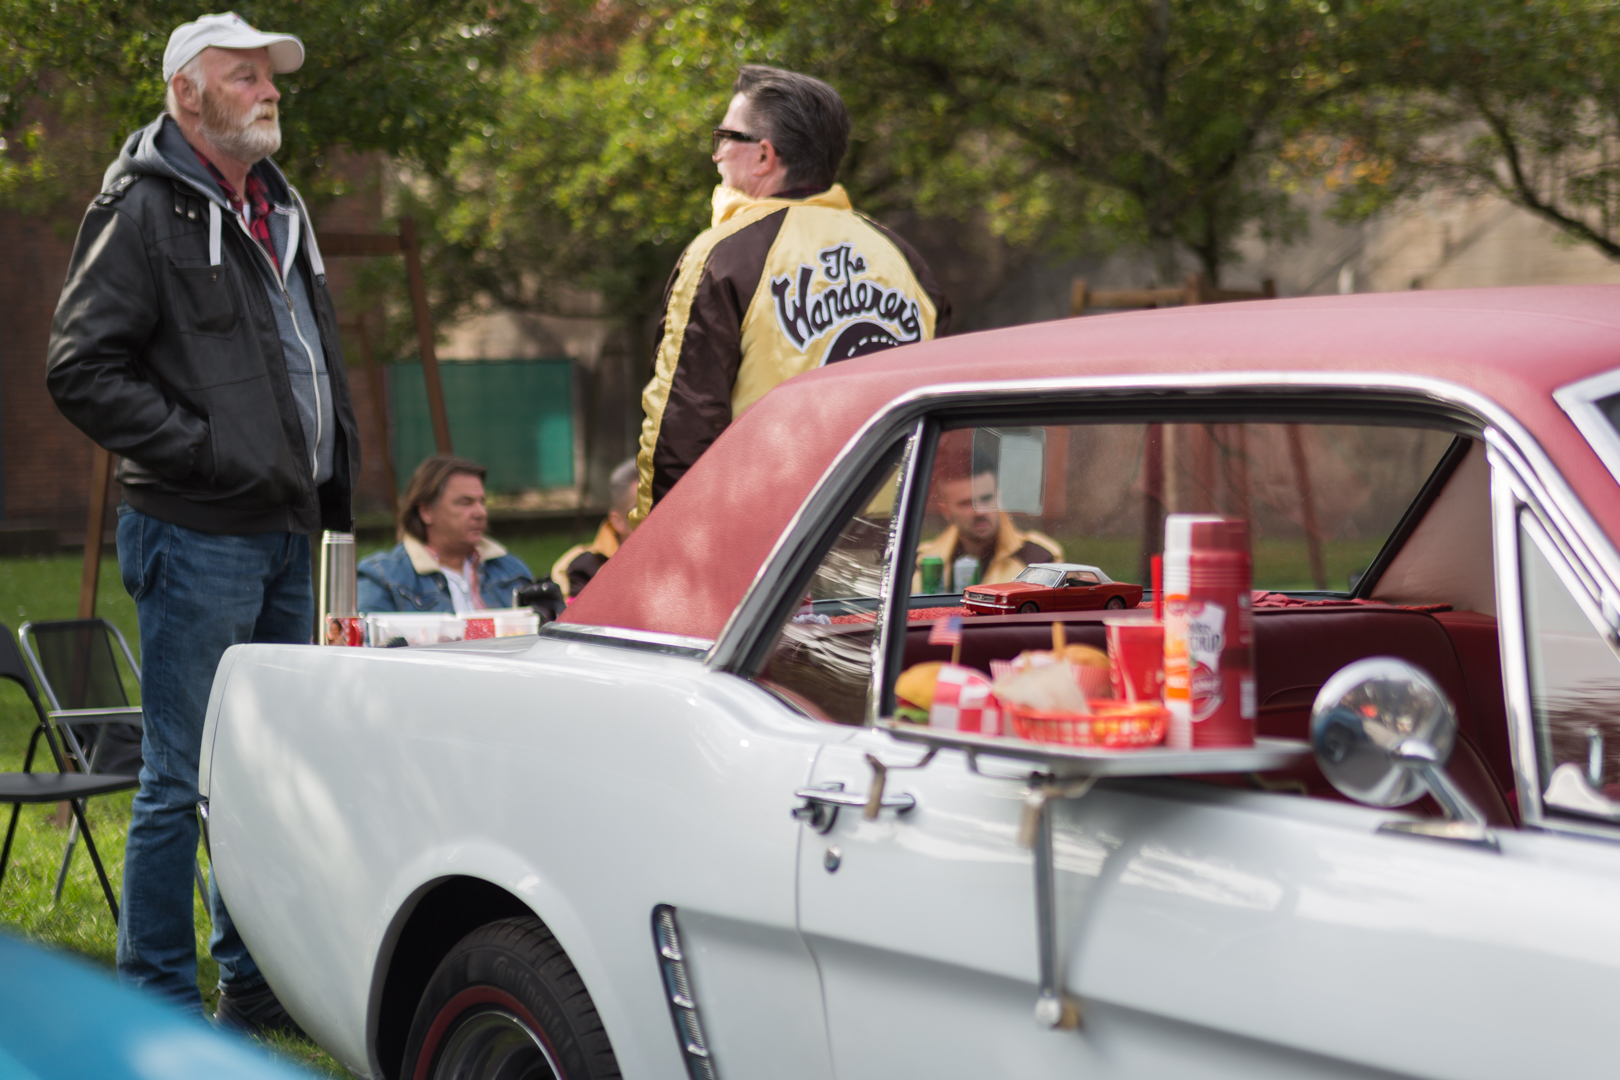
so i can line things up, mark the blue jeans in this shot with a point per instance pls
(196, 594)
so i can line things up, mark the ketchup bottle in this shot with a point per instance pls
(1220, 634)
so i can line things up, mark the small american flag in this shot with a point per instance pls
(946, 631)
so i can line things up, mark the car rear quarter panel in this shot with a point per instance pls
(590, 782)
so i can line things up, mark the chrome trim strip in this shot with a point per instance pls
(890, 598)
(1505, 503)
(620, 637)
(677, 983)
(1550, 549)
(875, 436)
(1579, 401)
(1589, 552)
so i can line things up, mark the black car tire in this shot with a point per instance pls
(505, 1002)
(1115, 602)
(1029, 609)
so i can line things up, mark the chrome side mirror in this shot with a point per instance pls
(1383, 731)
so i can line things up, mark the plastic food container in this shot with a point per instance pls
(385, 628)
(1111, 726)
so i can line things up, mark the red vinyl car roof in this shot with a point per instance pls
(687, 567)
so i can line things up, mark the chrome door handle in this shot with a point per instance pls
(821, 804)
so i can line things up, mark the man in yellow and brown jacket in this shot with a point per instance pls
(788, 278)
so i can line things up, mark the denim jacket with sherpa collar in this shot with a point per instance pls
(408, 578)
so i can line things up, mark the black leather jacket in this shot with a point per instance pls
(177, 366)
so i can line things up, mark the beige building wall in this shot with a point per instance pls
(1440, 241)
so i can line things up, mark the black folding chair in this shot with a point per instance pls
(60, 786)
(74, 665)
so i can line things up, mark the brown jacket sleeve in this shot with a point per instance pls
(697, 400)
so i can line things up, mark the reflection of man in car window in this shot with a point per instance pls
(974, 527)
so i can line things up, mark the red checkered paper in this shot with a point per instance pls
(963, 701)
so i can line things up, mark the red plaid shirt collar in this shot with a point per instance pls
(259, 198)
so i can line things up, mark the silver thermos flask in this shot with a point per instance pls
(337, 618)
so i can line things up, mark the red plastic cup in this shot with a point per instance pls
(1136, 660)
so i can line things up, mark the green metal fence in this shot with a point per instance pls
(514, 416)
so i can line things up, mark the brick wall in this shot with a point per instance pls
(44, 460)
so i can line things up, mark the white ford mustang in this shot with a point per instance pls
(617, 847)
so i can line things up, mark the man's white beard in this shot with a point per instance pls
(239, 135)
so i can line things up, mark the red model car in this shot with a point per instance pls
(1051, 586)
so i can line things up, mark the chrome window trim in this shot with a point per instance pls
(1506, 498)
(889, 593)
(1584, 546)
(620, 637)
(1579, 402)
(1513, 506)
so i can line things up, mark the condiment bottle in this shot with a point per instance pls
(1220, 634)
(1177, 586)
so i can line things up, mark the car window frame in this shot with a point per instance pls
(1579, 400)
(1518, 496)
(1267, 396)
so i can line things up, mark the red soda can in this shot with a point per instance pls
(1220, 634)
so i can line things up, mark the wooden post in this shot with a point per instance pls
(1195, 289)
(379, 409)
(1313, 538)
(1235, 451)
(95, 522)
(1078, 295)
(424, 334)
(1201, 452)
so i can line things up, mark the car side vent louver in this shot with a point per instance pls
(678, 988)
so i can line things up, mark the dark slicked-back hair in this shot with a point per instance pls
(426, 485)
(804, 118)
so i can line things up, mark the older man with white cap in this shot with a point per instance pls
(195, 338)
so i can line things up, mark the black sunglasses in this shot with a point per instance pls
(735, 136)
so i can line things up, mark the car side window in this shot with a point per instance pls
(821, 660)
(1574, 686)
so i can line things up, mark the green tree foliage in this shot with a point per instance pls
(578, 198)
(1517, 98)
(1056, 122)
(1155, 119)
(409, 78)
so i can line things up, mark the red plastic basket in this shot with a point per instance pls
(1112, 725)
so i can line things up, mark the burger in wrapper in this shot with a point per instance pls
(914, 692)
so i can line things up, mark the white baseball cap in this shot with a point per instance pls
(229, 31)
